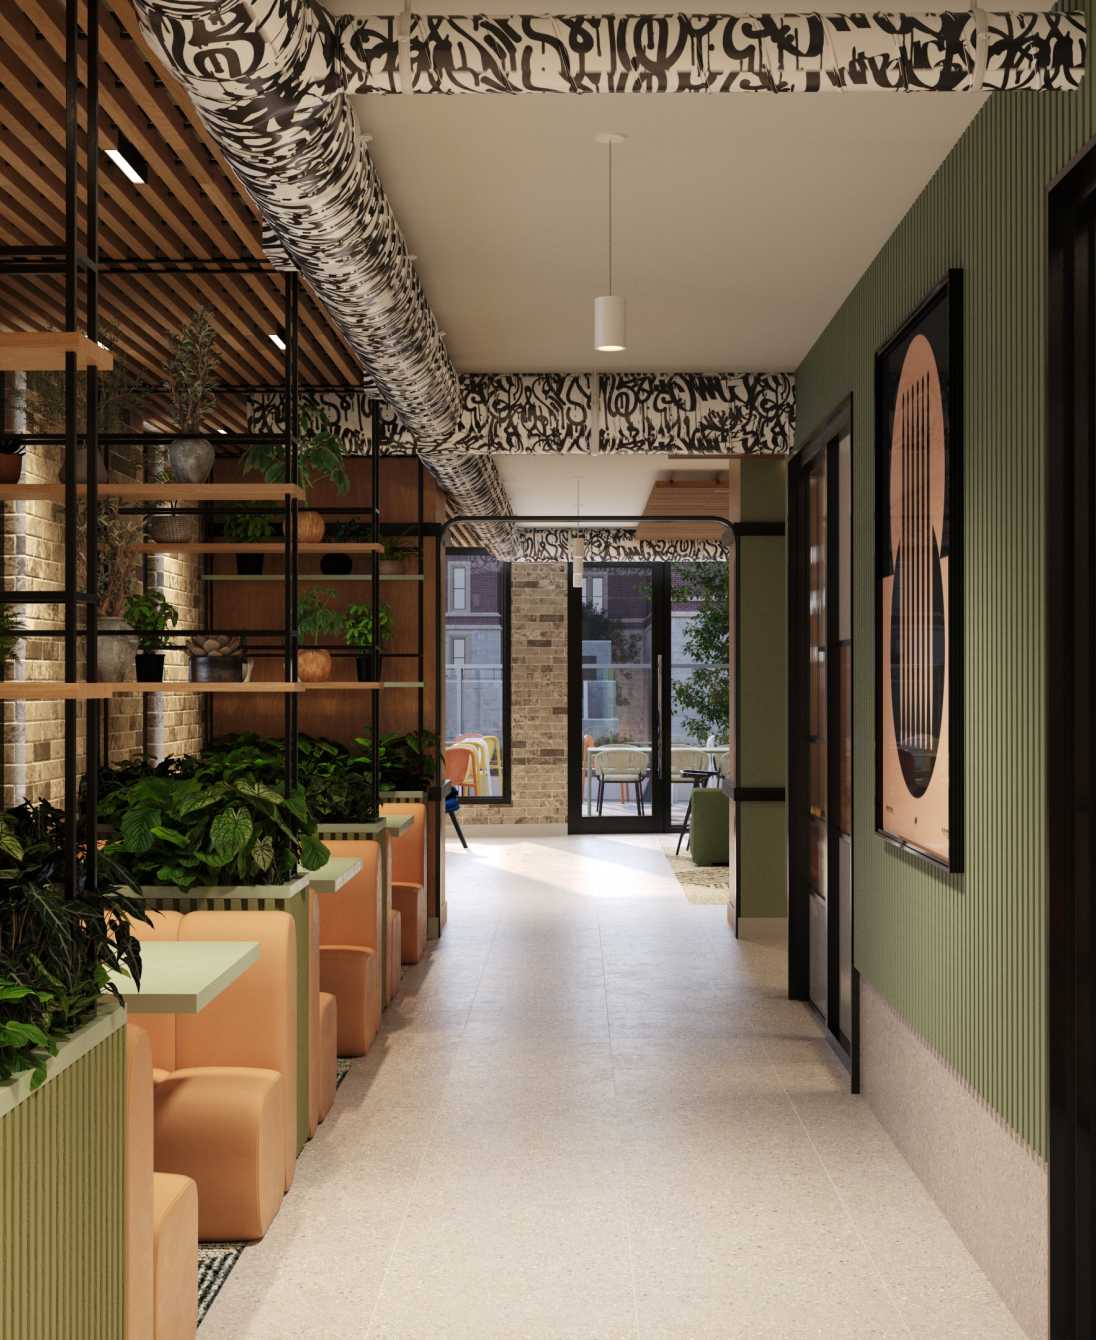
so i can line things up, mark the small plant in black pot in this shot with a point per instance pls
(358, 622)
(343, 532)
(149, 616)
(249, 527)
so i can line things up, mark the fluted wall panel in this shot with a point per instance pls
(61, 1203)
(962, 957)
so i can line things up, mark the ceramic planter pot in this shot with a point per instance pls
(170, 528)
(150, 667)
(249, 565)
(310, 527)
(313, 665)
(216, 669)
(368, 663)
(191, 459)
(336, 565)
(11, 467)
(115, 654)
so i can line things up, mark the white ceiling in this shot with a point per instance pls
(743, 220)
(610, 485)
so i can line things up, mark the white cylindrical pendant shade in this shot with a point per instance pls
(578, 556)
(609, 325)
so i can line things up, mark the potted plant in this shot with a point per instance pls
(149, 616)
(319, 456)
(190, 377)
(216, 658)
(11, 460)
(170, 527)
(397, 551)
(118, 537)
(11, 630)
(55, 948)
(315, 617)
(359, 634)
(248, 526)
(343, 532)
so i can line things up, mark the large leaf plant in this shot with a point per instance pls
(55, 947)
(186, 832)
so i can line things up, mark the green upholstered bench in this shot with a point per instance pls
(711, 827)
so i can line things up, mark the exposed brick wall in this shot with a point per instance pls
(538, 688)
(33, 732)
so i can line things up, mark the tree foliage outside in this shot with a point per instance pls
(703, 695)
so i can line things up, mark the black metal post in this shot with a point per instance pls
(72, 243)
(291, 556)
(91, 513)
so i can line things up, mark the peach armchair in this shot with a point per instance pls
(225, 1094)
(350, 967)
(409, 879)
(161, 1226)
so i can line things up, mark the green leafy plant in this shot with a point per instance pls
(11, 630)
(248, 526)
(149, 615)
(399, 547)
(118, 537)
(55, 947)
(408, 761)
(359, 626)
(319, 453)
(239, 830)
(190, 374)
(702, 693)
(349, 532)
(315, 616)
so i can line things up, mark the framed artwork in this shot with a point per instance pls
(918, 580)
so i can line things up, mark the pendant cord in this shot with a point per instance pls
(610, 218)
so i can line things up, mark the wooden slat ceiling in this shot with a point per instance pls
(189, 207)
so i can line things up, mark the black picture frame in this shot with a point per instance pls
(939, 319)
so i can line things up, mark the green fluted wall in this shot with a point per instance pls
(61, 1203)
(962, 957)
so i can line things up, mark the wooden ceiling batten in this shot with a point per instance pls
(688, 495)
(191, 206)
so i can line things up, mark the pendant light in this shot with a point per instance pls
(609, 337)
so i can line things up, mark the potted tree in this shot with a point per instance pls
(319, 456)
(190, 377)
(315, 617)
(248, 526)
(360, 634)
(118, 537)
(149, 616)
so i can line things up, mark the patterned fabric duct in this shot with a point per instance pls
(615, 545)
(265, 77)
(716, 53)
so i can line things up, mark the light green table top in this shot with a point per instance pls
(183, 976)
(398, 823)
(331, 877)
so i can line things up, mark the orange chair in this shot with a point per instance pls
(160, 1028)
(395, 952)
(226, 1112)
(455, 765)
(350, 967)
(328, 1053)
(409, 879)
(161, 1225)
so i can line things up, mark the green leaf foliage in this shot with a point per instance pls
(702, 694)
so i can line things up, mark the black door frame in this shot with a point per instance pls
(657, 818)
(838, 424)
(1071, 749)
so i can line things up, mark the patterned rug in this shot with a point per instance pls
(217, 1260)
(699, 883)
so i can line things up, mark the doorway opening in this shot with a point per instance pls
(648, 693)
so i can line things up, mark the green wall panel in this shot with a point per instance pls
(762, 677)
(61, 1203)
(962, 957)
(763, 830)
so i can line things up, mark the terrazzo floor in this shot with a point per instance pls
(592, 1114)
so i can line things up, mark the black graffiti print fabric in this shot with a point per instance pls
(715, 53)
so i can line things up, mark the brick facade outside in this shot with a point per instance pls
(538, 709)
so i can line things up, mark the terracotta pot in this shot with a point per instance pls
(310, 527)
(313, 665)
(11, 467)
(191, 459)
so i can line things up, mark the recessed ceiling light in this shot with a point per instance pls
(222, 430)
(128, 161)
(277, 341)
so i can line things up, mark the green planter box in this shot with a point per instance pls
(62, 1184)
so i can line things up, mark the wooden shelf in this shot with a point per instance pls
(355, 685)
(51, 690)
(188, 686)
(230, 548)
(45, 350)
(303, 577)
(165, 493)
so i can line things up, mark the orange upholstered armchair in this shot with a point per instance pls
(409, 879)
(161, 1272)
(350, 967)
(226, 1090)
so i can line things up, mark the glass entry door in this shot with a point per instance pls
(647, 661)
